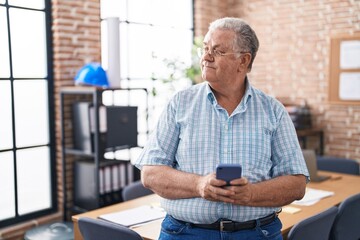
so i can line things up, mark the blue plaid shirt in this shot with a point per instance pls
(195, 133)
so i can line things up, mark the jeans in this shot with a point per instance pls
(174, 229)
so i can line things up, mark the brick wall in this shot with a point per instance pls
(206, 11)
(293, 60)
(76, 41)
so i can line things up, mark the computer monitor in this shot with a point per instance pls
(311, 163)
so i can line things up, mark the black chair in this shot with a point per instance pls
(135, 190)
(96, 229)
(316, 227)
(340, 165)
(346, 225)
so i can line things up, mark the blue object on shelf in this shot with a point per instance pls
(92, 74)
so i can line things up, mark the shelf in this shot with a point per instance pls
(78, 153)
(91, 89)
(304, 134)
(117, 118)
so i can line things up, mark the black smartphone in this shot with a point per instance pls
(228, 172)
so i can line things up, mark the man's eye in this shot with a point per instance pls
(218, 52)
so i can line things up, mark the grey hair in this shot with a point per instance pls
(245, 40)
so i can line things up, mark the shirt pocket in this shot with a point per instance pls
(256, 154)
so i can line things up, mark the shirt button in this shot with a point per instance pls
(226, 127)
(225, 151)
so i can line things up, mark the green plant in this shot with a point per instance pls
(178, 69)
(193, 72)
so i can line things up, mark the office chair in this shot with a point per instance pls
(135, 190)
(340, 165)
(316, 227)
(96, 229)
(346, 225)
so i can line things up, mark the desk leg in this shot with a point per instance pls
(77, 234)
(285, 234)
(321, 143)
(302, 141)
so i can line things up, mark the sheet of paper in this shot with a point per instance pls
(349, 54)
(135, 216)
(291, 210)
(312, 196)
(349, 86)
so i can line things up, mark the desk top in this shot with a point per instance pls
(308, 132)
(343, 185)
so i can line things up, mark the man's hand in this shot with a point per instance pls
(213, 189)
(243, 191)
(275, 192)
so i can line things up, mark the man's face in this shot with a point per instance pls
(216, 68)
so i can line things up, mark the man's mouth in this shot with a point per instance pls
(208, 66)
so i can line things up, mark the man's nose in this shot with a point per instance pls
(208, 56)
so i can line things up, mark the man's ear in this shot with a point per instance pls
(245, 59)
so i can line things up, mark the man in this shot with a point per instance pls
(224, 120)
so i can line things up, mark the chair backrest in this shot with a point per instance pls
(316, 227)
(346, 225)
(135, 190)
(340, 165)
(97, 229)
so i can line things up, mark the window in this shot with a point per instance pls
(151, 32)
(344, 78)
(27, 155)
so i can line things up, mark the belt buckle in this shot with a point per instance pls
(222, 224)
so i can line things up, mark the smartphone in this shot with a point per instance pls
(228, 172)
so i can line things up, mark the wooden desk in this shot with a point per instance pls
(342, 185)
(147, 231)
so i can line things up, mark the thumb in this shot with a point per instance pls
(240, 181)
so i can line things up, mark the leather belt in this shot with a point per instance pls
(231, 226)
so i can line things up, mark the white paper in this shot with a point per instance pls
(102, 119)
(350, 54)
(135, 216)
(122, 173)
(115, 177)
(312, 196)
(349, 86)
(107, 173)
(291, 210)
(130, 173)
(101, 181)
(113, 71)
